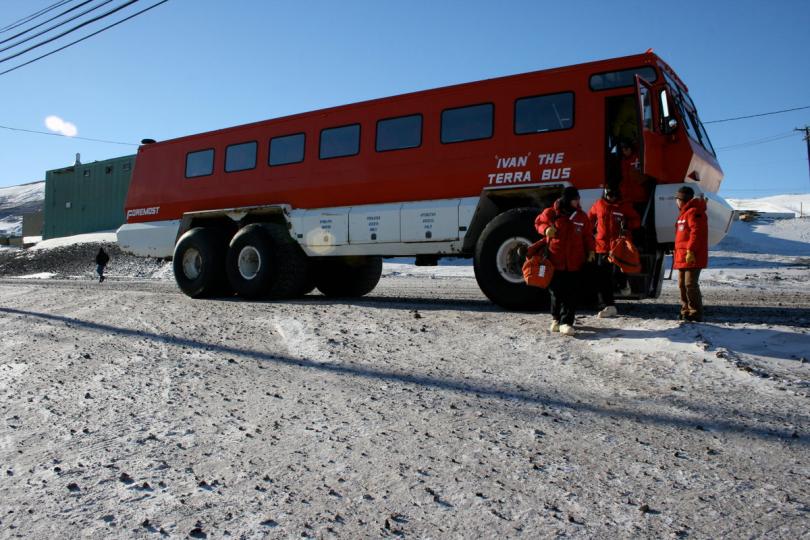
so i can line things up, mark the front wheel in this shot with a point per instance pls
(199, 263)
(499, 261)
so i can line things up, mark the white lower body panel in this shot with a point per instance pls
(718, 211)
(398, 249)
(399, 229)
(152, 239)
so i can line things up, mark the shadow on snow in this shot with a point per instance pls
(477, 389)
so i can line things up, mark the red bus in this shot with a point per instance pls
(276, 208)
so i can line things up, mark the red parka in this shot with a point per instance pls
(692, 234)
(632, 186)
(607, 219)
(569, 248)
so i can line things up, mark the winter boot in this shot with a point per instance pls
(555, 326)
(567, 330)
(608, 312)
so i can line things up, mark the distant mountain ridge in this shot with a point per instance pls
(16, 201)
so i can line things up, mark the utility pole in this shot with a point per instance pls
(806, 130)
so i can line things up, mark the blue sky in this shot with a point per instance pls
(195, 65)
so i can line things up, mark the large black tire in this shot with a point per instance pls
(199, 263)
(348, 277)
(264, 262)
(498, 264)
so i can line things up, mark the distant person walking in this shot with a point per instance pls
(570, 245)
(691, 252)
(101, 262)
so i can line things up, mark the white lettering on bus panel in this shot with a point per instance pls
(549, 169)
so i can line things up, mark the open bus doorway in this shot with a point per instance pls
(621, 125)
(623, 169)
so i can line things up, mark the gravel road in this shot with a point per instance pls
(129, 410)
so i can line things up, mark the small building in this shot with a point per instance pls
(86, 198)
(32, 225)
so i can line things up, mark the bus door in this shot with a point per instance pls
(651, 140)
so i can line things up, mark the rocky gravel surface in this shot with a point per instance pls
(422, 410)
(77, 261)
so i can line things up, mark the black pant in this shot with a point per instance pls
(605, 283)
(564, 288)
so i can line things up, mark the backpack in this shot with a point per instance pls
(538, 270)
(625, 255)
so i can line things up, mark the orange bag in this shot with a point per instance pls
(625, 255)
(538, 270)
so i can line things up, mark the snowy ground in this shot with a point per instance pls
(421, 410)
(797, 205)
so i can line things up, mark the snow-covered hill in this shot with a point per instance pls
(796, 204)
(16, 201)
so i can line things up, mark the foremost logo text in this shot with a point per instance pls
(135, 212)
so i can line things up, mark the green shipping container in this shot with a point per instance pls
(86, 198)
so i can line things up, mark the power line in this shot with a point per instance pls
(85, 23)
(759, 141)
(756, 115)
(29, 38)
(60, 135)
(29, 18)
(52, 19)
(84, 38)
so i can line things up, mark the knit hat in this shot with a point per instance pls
(570, 194)
(685, 193)
(612, 192)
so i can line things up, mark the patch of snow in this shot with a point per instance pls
(796, 204)
(40, 275)
(14, 196)
(10, 226)
(10, 372)
(16, 201)
(89, 238)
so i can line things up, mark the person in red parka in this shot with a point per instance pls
(610, 216)
(570, 245)
(691, 252)
(633, 183)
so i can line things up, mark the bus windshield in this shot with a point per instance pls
(691, 121)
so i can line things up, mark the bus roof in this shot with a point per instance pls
(646, 58)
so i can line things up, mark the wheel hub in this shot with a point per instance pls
(509, 262)
(249, 262)
(192, 263)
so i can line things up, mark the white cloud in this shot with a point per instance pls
(57, 125)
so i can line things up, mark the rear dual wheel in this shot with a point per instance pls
(264, 262)
(348, 277)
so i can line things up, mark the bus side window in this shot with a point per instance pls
(539, 114)
(340, 141)
(467, 123)
(200, 163)
(399, 133)
(286, 149)
(240, 157)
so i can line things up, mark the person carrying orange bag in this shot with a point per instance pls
(612, 218)
(538, 271)
(570, 244)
